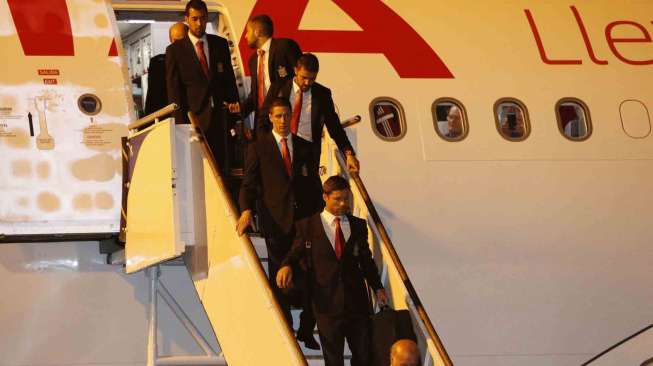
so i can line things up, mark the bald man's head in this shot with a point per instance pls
(177, 31)
(404, 352)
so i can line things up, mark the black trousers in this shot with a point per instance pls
(216, 123)
(334, 330)
(278, 247)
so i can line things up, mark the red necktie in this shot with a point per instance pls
(199, 49)
(285, 155)
(296, 112)
(260, 74)
(340, 239)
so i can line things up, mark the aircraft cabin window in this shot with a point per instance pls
(388, 121)
(511, 119)
(574, 120)
(449, 119)
(635, 119)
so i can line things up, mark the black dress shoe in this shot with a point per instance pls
(309, 341)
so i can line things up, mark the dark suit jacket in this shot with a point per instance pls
(157, 96)
(284, 199)
(337, 286)
(322, 113)
(189, 87)
(283, 56)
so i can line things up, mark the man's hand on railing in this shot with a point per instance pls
(284, 277)
(381, 297)
(353, 165)
(244, 222)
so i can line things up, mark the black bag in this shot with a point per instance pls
(388, 326)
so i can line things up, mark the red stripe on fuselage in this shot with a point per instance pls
(43, 27)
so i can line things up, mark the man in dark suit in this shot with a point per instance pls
(274, 59)
(312, 108)
(333, 245)
(157, 96)
(200, 79)
(278, 172)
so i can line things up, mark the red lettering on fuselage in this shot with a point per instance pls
(43, 27)
(383, 32)
(48, 72)
(610, 39)
(540, 45)
(646, 38)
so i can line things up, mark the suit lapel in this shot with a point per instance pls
(296, 157)
(213, 57)
(319, 228)
(315, 122)
(271, 70)
(274, 152)
(352, 236)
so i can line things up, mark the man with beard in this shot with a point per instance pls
(200, 79)
(273, 60)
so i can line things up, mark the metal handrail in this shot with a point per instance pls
(387, 243)
(350, 121)
(153, 117)
(619, 344)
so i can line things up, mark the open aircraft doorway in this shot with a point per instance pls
(145, 36)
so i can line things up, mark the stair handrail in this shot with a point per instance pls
(153, 117)
(616, 345)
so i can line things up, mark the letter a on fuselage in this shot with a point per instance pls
(383, 32)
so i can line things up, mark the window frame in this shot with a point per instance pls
(463, 112)
(526, 116)
(588, 118)
(402, 118)
(621, 118)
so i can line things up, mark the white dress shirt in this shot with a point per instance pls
(304, 129)
(266, 65)
(329, 224)
(278, 138)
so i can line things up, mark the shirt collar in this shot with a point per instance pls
(278, 137)
(329, 217)
(194, 39)
(266, 46)
(295, 88)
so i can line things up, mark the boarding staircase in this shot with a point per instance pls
(178, 206)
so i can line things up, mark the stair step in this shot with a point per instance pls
(320, 362)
